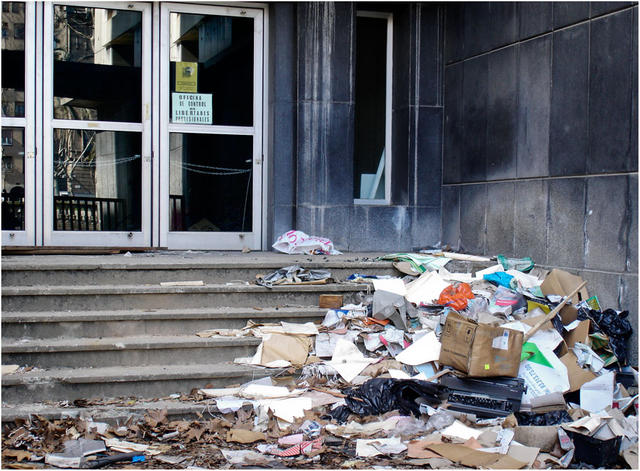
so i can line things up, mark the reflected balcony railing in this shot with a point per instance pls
(80, 213)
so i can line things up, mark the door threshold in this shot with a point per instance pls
(31, 250)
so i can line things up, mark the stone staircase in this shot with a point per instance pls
(103, 326)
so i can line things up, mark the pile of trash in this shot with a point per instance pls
(509, 367)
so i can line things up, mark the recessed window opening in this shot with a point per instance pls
(372, 150)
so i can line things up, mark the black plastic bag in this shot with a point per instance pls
(548, 418)
(616, 326)
(380, 395)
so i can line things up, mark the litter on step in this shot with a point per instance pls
(510, 366)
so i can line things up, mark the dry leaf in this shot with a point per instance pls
(17, 454)
(244, 436)
(153, 417)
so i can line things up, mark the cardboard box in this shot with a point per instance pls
(479, 349)
(577, 375)
(330, 301)
(562, 283)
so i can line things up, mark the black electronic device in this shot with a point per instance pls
(484, 397)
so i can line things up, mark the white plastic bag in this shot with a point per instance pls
(297, 242)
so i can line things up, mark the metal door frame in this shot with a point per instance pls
(208, 240)
(27, 237)
(140, 238)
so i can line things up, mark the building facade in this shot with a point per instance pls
(494, 127)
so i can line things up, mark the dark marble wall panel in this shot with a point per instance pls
(427, 174)
(565, 238)
(453, 124)
(402, 132)
(568, 146)
(312, 155)
(534, 106)
(430, 37)
(534, 18)
(325, 149)
(381, 228)
(502, 116)
(283, 153)
(402, 72)
(477, 37)
(473, 206)
(326, 51)
(500, 219)
(282, 110)
(567, 13)
(633, 164)
(451, 216)
(339, 151)
(332, 222)
(454, 32)
(284, 219)
(632, 205)
(425, 226)
(503, 28)
(282, 61)
(607, 226)
(531, 220)
(610, 94)
(602, 8)
(474, 114)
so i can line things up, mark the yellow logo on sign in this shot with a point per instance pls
(187, 77)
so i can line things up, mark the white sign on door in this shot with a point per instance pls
(191, 108)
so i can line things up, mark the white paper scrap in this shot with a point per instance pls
(423, 350)
(392, 285)
(379, 446)
(459, 430)
(348, 360)
(289, 409)
(426, 289)
(219, 392)
(569, 327)
(259, 391)
(398, 374)
(597, 394)
(487, 271)
(230, 404)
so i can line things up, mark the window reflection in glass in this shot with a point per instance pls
(13, 179)
(211, 70)
(97, 180)
(97, 64)
(210, 183)
(13, 19)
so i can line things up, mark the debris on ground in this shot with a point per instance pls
(297, 242)
(508, 367)
(294, 275)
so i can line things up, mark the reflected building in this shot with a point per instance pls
(99, 166)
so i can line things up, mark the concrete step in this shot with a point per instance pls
(87, 324)
(68, 384)
(122, 297)
(112, 413)
(113, 351)
(156, 268)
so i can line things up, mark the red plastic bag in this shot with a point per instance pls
(456, 296)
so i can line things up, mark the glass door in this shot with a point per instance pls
(211, 127)
(18, 118)
(97, 124)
